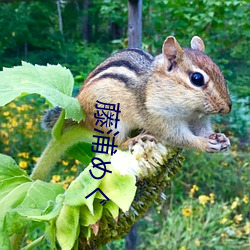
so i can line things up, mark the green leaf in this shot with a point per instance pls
(113, 209)
(86, 218)
(34, 243)
(83, 185)
(53, 82)
(119, 188)
(39, 194)
(82, 152)
(9, 168)
(6, 186)
(67, 226)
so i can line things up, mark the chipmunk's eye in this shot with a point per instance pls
(197, 79)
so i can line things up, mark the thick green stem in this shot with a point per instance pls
(56, 147)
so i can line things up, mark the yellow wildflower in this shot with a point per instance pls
(14, 123)
(234, 152)
(55, 178)
(193, 190)
(187, 211)
(247, 227)
(24, 154)
(65, 185)
(245, 199)
(35, 159)
(29, 124)
(73, 168)
(65, 163)
(70, 178)
(77, 162)
(223, 220)
(238, 233)
(235, 203)
(211, 195)
(197, 242)
(224, 164)
(238, 218)
(203, 199)
(12, 105)
(6, 113)
(183, 248)
(223, 235)
(23, 164)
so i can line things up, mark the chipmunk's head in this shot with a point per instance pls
(197, 74)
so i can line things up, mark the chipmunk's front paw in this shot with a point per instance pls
(141, 139)
(217, 142)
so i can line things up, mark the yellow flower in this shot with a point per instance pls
(203, 199)
(6, 113)
(70, 178)
(234, 152)
(223, 220)
(238, 233)
(211, 195)
(35, 159)
(238, 218)
(245, 199)
(23, 164)
(223, 235)
(29, 124)
(247, 227)
(73, 168)
(65, 163)
(77, 162)
(225, 164)
(193, 190)
(65, 185)
(187, 211)
(55, 178)
(24, 154)
(14, 123)
(183, 248)
(235, 203)
(197, 242)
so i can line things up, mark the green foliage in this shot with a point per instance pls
(52, 82)
(198, 224)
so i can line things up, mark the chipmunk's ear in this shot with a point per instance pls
(171, 49)
(197, 43)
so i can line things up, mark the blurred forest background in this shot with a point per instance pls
(207, 206)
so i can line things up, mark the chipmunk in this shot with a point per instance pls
(170, 97)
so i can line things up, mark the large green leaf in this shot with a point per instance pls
(9, 168)
(82, 152)
(53, 82)
(22, 200)
(67, 226)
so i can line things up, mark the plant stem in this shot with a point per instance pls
(57, 147)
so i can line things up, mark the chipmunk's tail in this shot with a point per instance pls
(50, 117)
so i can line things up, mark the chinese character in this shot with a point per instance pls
(105, 115)
(102, 144)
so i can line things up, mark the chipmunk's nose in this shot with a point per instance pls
(227, 108)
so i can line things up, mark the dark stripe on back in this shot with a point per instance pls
(142, 53)
(118, 63)
(118, 77)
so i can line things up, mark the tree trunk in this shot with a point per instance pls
(135, 23)
(85, 23)
(59, 16)
(131, 238)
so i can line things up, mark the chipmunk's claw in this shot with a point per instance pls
(218, 142)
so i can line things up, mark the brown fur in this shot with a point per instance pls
(156, 95)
